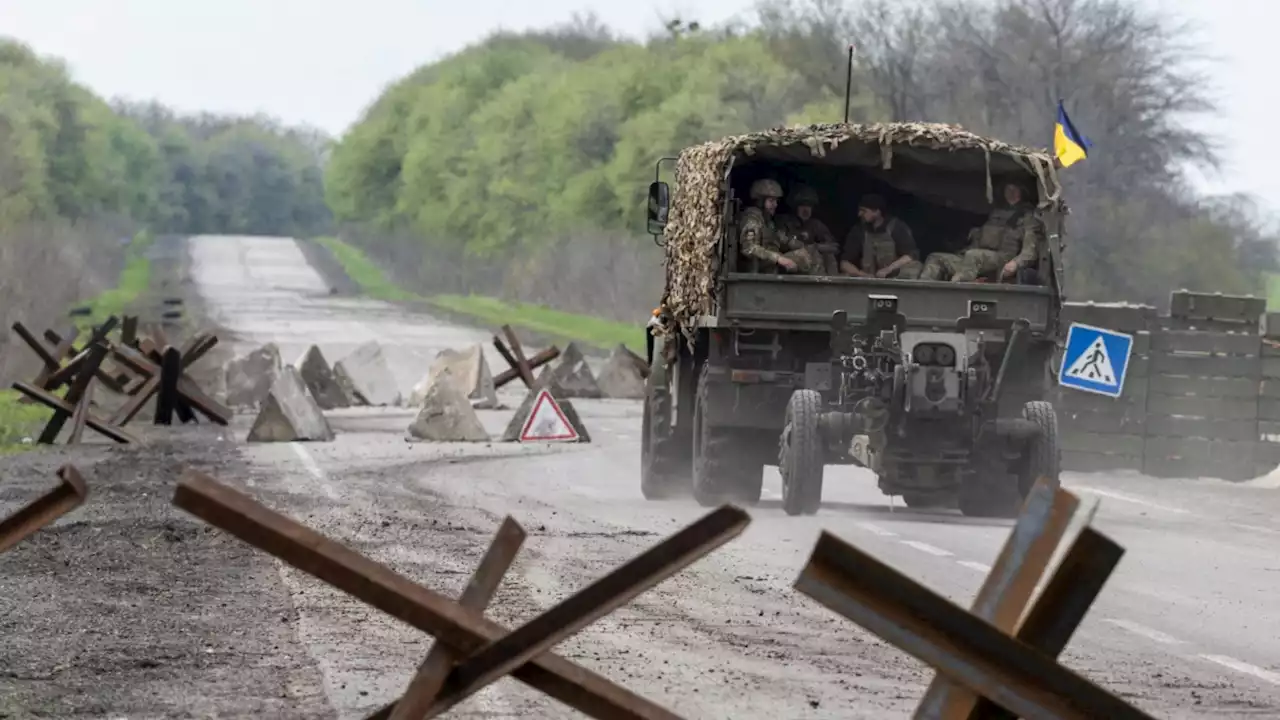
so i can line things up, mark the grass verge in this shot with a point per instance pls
(134, 280)
(18, 420)
(1273, 291)
(560, 326)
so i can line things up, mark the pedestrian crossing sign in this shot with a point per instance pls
(1095, 360)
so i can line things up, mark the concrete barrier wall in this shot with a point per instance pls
(1201, 396)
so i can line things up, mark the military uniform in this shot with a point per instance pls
(812, 233)
(873, 248)
(816, 237)
(882, 246)
(760, 239)
(1009, 234)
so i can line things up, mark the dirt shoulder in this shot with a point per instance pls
(129, 606)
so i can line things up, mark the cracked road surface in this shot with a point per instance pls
(1185, 628)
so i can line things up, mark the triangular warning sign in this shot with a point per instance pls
(1094, 365)
(547, 421)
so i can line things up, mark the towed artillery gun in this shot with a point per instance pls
(938, 388)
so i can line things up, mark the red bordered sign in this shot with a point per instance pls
(547, 422)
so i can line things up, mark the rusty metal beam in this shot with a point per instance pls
(1005, 593)
(462, 628)
(59, 501)
(517, 354)
(966, 649)
(593, 602)
(1085, 511)
(58, 405)
(1061, 608)
(434, 670)
(512, 373)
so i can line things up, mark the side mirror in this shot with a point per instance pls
(659, 205)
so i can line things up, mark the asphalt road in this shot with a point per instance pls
(1185, 628)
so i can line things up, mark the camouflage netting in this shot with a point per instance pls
(694, 226)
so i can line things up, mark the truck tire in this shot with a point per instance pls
(800, 454)
(723, 470)
(1043, 457)
(661, 476)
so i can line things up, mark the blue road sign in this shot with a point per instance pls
(1095, 360)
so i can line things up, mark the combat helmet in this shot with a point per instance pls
(765, 188)
(803, 195)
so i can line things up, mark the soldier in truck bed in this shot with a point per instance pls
(1009, 241)
(809, 230)
(879, 245)
(760, 239)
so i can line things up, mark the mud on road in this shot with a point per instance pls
(128, 607)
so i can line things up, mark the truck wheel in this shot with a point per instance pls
(1043, 458)
(800, 454)
(660, 476)
(718, 466)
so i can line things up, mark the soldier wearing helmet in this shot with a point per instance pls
(809, 230)
(758, 236)
(1008, 243)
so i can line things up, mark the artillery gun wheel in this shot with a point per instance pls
(660, 468)
(1043, 457)
(800, 454)
(722, 472)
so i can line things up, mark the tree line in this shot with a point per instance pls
(518, 144)
(79, 176)
(67, 154)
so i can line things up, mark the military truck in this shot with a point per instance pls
(939, 388)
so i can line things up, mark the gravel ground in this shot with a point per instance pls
(128, 607)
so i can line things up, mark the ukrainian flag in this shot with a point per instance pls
(1068, 144)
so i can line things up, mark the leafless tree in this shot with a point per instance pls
(1129, 77)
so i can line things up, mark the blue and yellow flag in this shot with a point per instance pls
(1068, 144)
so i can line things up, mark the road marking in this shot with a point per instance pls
(877, 530)
(975, 565)
(1144, 631)
(1131, 499)
(309, 463)
(1258, 528)
(926, 547)
(1244, 667)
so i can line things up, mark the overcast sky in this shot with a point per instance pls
(321, 61)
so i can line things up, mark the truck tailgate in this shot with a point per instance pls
(808, 299)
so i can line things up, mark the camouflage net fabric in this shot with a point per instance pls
(694, 227)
